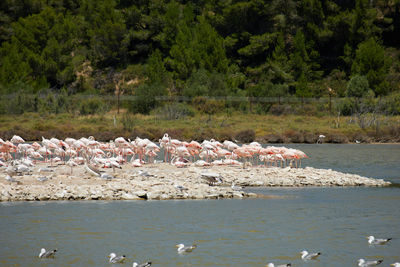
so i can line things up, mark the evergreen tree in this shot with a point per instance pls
(371, 62)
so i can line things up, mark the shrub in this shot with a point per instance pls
(337, 138)
(294, 136)
(19, 103)
(47, 104)
(392, 104)
(310, 138)
(213, 106)
(246, 136)
(145, 99)
(345, 107)
(199, 102)
(358, 86)
(92, 106)
(280, 109)
(274, 138)
(128, 121)
(174, 111)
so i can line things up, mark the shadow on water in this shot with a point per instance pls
(395, 185)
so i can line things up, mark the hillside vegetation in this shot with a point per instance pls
(183, 59)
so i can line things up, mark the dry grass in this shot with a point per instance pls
(267, 128)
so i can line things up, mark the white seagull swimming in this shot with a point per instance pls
(47, 254)
(116, 259)
(282, 265)
(364, 263)
(309, 256)
(146, 264)
(396, 264)
(183, 249)
(377, 241)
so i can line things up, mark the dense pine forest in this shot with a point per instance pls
(52, 51)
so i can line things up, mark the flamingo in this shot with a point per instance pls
(17, 139)
(201, 163)
(114, 153)
(137, 163)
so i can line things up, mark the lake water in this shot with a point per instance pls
(377, 160)
(231, 232)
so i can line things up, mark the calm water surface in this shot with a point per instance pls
(250, 232)
(377, 161)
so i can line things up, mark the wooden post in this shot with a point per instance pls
(118, 91)
(118, 102)
(331, 92)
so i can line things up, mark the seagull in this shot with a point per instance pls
(396, 264)
(212, 178)
(183, 249)
(47, 254)
(11, 170)
(106, 176)
(116, 259)
(11, 179)
(377, 241)
(180, 187)
(363, 263)
(146, 264)
(309, 256)
(45, 169)
(22, 168)
(283, 265)
(42, 179)
(145, 173)
(235, 187)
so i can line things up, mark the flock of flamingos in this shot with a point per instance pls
(138, 152)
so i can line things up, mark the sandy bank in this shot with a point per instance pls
(165, 181)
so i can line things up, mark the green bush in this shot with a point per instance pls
(281, 109)
(145, 99)
(345, 107)
(128, 121)
(392, 104)
(211, 107)
(358, 86)
(174, 111)
(199, 102)
(20, 103)
(92, 106)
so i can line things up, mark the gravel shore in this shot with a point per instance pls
(165, 181)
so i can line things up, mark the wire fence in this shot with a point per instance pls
(283, 99)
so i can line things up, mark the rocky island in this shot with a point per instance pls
(160, 181)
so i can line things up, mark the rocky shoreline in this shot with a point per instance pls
(164, 181)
